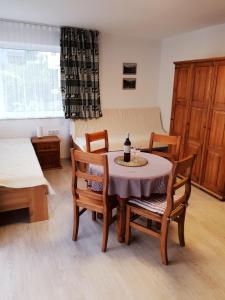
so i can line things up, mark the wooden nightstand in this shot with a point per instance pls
(47, 149)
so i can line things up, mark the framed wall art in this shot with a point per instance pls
(129, 68)
(129, 83)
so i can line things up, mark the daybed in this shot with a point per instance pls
(22, 183)
(139, 122)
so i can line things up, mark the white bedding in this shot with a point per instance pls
(19, 166)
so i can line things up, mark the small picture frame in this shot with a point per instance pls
(129, 83)
(129, 68)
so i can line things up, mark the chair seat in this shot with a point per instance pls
(156, 204)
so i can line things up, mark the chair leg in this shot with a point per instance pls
(158, 226)
(99, 215)
(163, 241)
(75, 222)
(181, 221)
(149, 223)
(110, 216)
(105, 231)
(93, 216)
(128, 229)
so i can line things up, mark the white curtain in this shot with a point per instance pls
(19, 35)
(29, 70)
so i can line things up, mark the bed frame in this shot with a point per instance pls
(33, 198)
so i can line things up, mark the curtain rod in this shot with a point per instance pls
(42, 24)
(31, 23)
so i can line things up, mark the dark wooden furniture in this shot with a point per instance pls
(97, 136)
(87, 199)
(163, 209)
(173, 143)
(198, 116)
(47, 149)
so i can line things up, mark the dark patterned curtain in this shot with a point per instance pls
(79, 61)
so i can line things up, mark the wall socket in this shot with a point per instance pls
(53, 131)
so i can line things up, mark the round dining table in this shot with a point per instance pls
(133, 182)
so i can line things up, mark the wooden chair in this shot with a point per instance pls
(97, 136)
(163, 208)
(92, 137)
(172, 141)
(87, 199)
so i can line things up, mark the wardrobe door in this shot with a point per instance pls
(214, 174)
(197, 116)
(181, 96)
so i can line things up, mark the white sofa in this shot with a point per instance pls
(139, 122)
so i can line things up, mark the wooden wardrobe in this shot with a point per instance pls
(198, 116)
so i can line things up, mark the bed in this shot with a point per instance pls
(22, 183)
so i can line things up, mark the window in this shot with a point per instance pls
(29, 84)
(29, 71)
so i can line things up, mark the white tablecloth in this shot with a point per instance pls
(137, 182)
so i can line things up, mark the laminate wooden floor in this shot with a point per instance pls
(40, 260)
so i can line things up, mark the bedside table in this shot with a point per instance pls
(47, 149)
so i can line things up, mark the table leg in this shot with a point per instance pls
(121, 219)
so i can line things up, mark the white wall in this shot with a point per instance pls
(204, 43)
(114, 50)
(27, 128)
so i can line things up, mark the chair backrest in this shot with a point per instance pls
(172, 141)
(179, 186)
(80, 158)
(96, 136)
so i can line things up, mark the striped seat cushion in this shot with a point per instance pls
(156, 204)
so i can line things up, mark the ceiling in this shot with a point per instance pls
(139, 18)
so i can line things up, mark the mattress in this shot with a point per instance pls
(19, 166)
